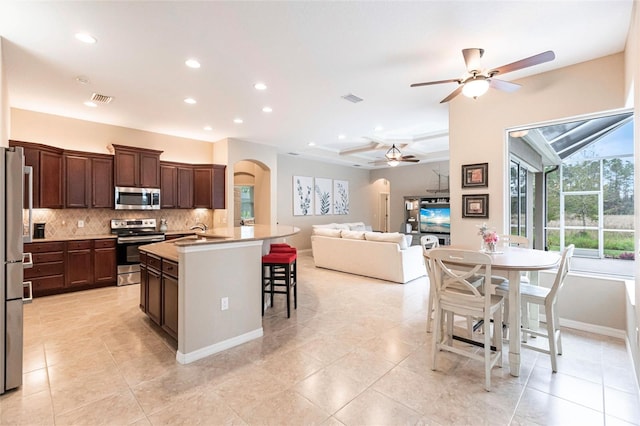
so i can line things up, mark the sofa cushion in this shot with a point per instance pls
(357, 226)
(326, 225)
(327, 232)
(387, 237)
(354, 235)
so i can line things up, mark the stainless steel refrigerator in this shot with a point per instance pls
(12, 294)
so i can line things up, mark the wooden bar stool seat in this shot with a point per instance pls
(279, 276)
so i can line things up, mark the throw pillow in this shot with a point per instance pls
(387, 237)
(327, 232)
(357, 226)
(352, 235)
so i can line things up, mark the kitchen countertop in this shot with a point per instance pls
(74, 238)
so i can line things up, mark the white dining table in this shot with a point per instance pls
(510, 262)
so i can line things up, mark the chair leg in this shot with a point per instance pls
(525, 321)
(430, 307)
(556, 324)
(487, 354)
(437, 333)
(287, 282)
(262, 290)
(505, 316)
(295, 284)
(551, 327)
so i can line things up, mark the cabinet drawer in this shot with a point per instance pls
(48, 283)
(53, 256)
(43, 247)
(79, 245)
(170, 268)
(153, 262)
(104, 243)
(44, 269)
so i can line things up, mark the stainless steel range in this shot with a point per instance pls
(132, 233)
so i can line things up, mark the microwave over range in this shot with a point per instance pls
(137, 198)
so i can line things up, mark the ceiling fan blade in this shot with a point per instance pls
(407, 157)
(410, 160)
(472, 59)
(540, 58)
(505, 86)
(452, 94)
(428, 83)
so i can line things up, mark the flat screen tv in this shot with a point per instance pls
(435, 220)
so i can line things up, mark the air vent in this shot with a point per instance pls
(357, 165)
(352, 98)
(101, 99)
(293, 153)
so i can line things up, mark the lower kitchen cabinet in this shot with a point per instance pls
(159, 291)
(79, 265)
(47, 273)
(105, 267)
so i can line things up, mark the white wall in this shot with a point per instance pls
(477, 127)
(360, 190)
(70, 133)
(418, 179)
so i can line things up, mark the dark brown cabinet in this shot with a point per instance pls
(169, 321)
(203, 186)
(47, 164)
(47, 273)
(77, 181)
(168, 185)
(79, 263)
(159, 291)
(102, 192)
(154, 291)
(105, 267)
(136, 167)
(219, 186)
(185, 187)
(177, 185)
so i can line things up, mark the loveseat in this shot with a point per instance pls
(386, 256)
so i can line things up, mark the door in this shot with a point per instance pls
(383, 212)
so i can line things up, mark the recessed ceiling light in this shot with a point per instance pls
(341, 136)
(86, 38)
(260, 86)
(378, 129)
(238, 120)
(208, 128)
(267, 109)
(190, 101)
(91, 104)
(312, 144)
(192, 63)
(82, 79)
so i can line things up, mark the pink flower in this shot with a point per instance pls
(490, 237)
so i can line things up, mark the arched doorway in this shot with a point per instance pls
(382, 188)
(251, 193)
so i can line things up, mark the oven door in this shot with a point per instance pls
(128, 257)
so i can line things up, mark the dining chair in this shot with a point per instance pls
(547, 297)
(457, 294)
(429, 242)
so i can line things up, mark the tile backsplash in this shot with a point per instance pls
(64, 222)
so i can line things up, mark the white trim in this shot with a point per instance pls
(218, 347)
(222, 245)
(591, 328)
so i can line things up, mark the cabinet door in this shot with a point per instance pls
(185, 188)
(149, 170)
(154, 295)
(79, 263)
(144, 277)
(77, 181)
(126, 164)
(170, 305)
(168, 184)
(102, 183)
(32, 158)
(219, 186)
(105, 269)
(203, 187)
(51, 188)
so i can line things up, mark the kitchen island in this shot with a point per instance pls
(218, 287)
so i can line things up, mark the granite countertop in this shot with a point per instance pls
(164, 249)
(73, 238)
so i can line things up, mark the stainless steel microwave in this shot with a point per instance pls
(137, 198)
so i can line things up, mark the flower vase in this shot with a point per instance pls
(491, 247)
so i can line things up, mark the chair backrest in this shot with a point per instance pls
(459, 285)
(429, 242)
(563, 270)
(515, 241)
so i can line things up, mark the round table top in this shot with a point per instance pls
(517, 258)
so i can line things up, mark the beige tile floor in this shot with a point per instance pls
(355, 353)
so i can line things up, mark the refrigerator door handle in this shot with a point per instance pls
(28, 170)
(27, 260)
(28, 285)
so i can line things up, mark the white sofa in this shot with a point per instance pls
(373, 254)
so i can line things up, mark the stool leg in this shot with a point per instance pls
(262, 290)
(287, 282)
(295, 284)
(272, 281)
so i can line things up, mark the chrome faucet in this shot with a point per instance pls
(201, 226)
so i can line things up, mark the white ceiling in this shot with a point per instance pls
(308, 53)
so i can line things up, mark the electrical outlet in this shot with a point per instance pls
(81, 224)
(224, 303)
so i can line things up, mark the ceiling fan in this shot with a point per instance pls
(393, 157)
(478, 82)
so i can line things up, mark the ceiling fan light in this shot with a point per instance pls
(476, 87)
(393, 163)
(393, 154)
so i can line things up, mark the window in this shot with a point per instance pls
(246, 202)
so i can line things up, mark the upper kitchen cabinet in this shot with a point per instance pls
(136, 167)
(47, 164)
(209, 186)
(219, 186)
(88, 180)
(176, 183)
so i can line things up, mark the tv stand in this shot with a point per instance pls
(411, 225)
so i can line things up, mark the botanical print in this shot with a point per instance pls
(341, 195)
(323, 203)
(302, 201)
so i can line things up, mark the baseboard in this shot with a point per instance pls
(218, 347)
(591, 328)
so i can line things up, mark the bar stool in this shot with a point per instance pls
(279, 269)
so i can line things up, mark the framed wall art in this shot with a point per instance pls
(475, 175)
(302, 196)
(475, 206)
(341, 197)
(323, 196)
